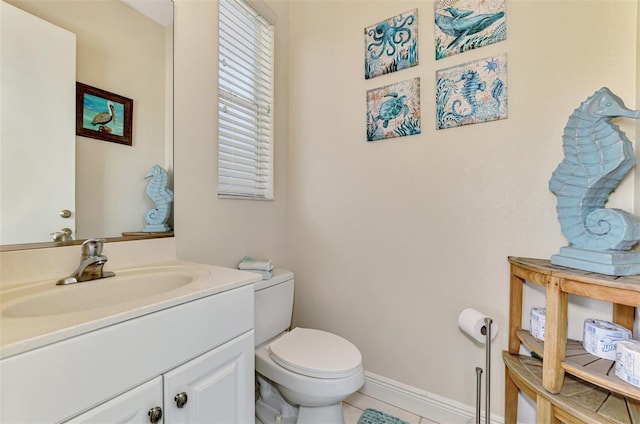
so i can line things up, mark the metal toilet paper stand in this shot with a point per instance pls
(486, 331)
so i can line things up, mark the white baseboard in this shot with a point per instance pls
(421, 402)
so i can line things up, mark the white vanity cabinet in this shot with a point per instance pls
(203, 348)
(211, 388)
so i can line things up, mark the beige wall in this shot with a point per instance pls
(212, 230)
(391, 240)
(121, 51)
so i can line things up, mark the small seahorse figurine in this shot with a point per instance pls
(598, 155)
(162, 197)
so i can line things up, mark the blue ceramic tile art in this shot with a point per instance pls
(471, 93)
(393, 110)
(462, 25)
(391, 45)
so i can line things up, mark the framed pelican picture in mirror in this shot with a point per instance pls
(103, 115)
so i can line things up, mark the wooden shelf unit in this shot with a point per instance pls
(548, 388)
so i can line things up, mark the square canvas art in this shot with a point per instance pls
(462, 25)
(393, 110)
(471, 93)
(391, 45)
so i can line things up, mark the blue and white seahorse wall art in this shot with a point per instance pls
(471, 93)
(597, 156)
(393, 110)
(462, 25)
(391, 45)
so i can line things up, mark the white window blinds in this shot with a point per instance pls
(245, 83)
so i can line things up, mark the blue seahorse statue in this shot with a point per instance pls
(471, 86)
(162, 197)
(597, 157)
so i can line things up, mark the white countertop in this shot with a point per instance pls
(21, 334)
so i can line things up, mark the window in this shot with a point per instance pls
(245, 104)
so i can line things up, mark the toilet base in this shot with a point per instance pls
(272, 408)
(321, 414)
(265, 414)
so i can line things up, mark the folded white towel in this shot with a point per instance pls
(250, 263)
(266, 275)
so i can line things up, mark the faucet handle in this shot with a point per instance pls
(92, 247)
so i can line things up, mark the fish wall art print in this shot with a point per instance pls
(391, 45)
(471, 93)
(462, 25)
(393, 110)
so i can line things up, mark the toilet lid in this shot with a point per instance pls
(316, 353)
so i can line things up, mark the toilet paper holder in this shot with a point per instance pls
(486, 330)
(482, 329)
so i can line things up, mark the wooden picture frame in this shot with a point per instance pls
(103, 115)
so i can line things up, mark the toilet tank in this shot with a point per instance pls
(273, 305)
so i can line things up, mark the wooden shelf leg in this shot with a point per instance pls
(624, 315)
(515, 312)
(510, 399)
(555, 336)
(544, 411)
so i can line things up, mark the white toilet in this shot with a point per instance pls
(303, 374)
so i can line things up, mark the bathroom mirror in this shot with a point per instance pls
(123, 47)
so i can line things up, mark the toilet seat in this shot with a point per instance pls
(316, 353)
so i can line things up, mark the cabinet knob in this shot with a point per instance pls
(155, 414)
(181, 399)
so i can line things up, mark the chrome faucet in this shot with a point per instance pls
(91, 263)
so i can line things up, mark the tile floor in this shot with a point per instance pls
(355, 404)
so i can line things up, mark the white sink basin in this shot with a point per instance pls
(126, 286)
(34, 314)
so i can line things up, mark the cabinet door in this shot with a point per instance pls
(218, 386)
(130, 407)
